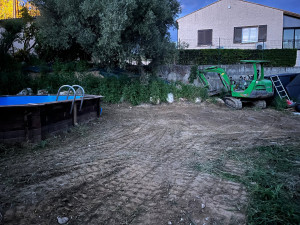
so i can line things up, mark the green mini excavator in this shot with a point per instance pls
(253, 88)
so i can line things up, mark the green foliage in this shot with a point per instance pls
(159, 90)
(12, 79)
(193, 73)
(109, 31)
(12, 33)
(271, 177)
(72, 66)
(189, 92)
(136, 93)
(279, 104)
(12, 29)
(274, 197)
(12, 82)
(278, 57)
(29, 31)
(112, 88)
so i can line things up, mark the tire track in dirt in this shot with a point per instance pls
(135, 167)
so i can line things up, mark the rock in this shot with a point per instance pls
(66, 93)
(42, 92)
(182, 99)
(26, 91)
(94, 73)
(170, 98)
(178, 86)
(220, 101)
(197, 83)
(62, 220)
(172, 76)
(186, 78)
(9, 214)
(198, 100)
(155, 102)
(34, 75)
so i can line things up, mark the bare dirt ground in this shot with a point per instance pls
(134, 166)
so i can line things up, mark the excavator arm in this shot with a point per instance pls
(221, 73)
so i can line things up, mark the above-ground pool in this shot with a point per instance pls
(32, 118)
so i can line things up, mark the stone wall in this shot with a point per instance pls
(181, 73)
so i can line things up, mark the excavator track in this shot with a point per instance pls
(261, 104)
(234, 103)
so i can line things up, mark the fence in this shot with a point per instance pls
(223, 43)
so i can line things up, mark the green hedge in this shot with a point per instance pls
(278, 57)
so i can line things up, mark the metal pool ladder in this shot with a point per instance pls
(74, 92)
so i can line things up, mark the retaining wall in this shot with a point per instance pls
(181, 73)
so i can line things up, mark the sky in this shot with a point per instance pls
(188, 6)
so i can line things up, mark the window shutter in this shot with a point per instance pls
(237, 35)
(205, 37)
(201, 37)
(208, 37)
(262, 33)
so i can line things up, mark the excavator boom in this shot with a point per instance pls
(213, 69)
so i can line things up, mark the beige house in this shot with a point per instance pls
(238, 24)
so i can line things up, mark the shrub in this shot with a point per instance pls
(189, 92)
(278, 57)
(278, 103)
(159, 90)
(193, 73)
(111, 88)
(136, 93)
(79, 66)
(12, 82)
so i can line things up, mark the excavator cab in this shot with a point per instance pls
(259, 87)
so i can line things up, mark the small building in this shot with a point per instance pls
(239, 24)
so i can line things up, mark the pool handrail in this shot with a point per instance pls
(70, 87)
(82, 92)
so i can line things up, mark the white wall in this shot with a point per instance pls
(298, 59)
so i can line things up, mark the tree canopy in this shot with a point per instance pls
(110, 31)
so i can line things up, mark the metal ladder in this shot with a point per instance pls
(74, 92)
(279, 87)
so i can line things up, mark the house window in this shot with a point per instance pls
(291, 38)
(205, 37)
(250, 34)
